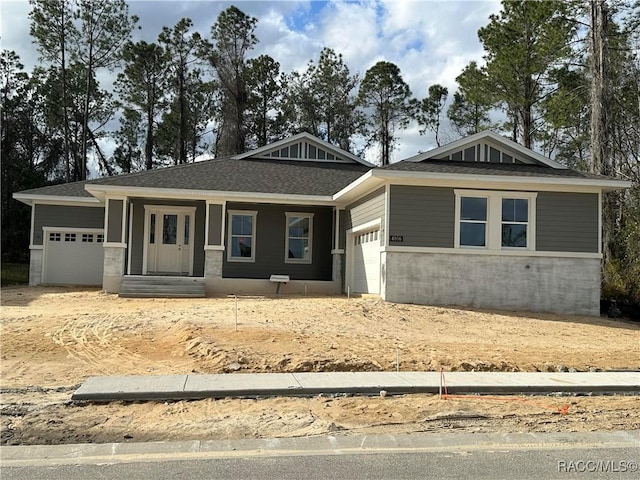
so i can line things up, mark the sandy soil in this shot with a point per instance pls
(52, 339)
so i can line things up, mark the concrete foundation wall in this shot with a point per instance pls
(35, 266)
(543, 284)
(114, 261)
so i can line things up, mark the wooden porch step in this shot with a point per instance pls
(161, 287)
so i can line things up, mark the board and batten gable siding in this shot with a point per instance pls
(367, 209)
(65, 217)
(421, 216)
(270, 244)
(567, 222)
(137, 232)
(215, 224)
(114, 222)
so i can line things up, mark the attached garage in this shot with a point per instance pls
(73, 256)
(365, 266)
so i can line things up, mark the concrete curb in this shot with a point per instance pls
(338, 445)
(190, 387)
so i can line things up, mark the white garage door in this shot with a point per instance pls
(366, 262)
(73, 257)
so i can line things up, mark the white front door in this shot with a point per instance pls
(169, 240)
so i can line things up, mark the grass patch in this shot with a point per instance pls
(15, 274)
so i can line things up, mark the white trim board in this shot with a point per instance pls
(480, 251)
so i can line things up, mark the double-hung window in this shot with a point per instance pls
(515, 222)
(299, 237)
(242, 236)
(495, 220)
(473, 221)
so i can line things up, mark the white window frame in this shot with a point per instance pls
(485, 222)
(286, 241)
(246, 213)
(493, 234)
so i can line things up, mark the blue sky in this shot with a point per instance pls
(430, 40)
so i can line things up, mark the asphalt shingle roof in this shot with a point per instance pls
(290, 177)
(230, 175)
(482, 168)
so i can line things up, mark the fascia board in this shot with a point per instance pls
(534, 182)
(173, 193)
(30, 199)
(362, 184)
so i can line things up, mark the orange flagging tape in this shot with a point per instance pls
(564, 410)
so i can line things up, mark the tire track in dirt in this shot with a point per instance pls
(90, 340)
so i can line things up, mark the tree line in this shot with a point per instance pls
(562, 77)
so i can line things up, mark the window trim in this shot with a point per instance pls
(246, 213)
(493, 239)
(286, 237)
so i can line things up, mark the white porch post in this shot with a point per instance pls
(115, 243)
(214, 244)
(337, 253)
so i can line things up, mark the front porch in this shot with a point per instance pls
(156, 247)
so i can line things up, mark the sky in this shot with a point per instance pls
(431, 41)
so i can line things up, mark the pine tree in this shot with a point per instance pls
(142, 87)
(522, 44)
(264, 100)
(233, 37)
(430, 110)
(387, 103)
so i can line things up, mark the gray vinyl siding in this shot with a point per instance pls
(270, 244)
(215, 224)
(567, 222)
(114, 222)
(65, 216)
(137, 233)
(422, 216)
(366, 209)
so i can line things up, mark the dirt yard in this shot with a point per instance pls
(52, 339)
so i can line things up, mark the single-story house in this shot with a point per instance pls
(480, 222)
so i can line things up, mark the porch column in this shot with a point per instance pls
(337, 252)
(115, 243)
(214, 244)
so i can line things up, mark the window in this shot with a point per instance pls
(242, 236)
(515, 220)
(100, 238)
(54, 237)
(69, 237)
(495, 220)
(87, 237)
(299, 237)
(170, 229)
(473, 222)
(152, 229)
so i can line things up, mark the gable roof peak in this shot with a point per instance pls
(493, 137)
(320, 151)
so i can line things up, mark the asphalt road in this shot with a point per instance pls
(596, 455)
(514, 464)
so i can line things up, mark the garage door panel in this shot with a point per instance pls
(74, 257)
(366, 262)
